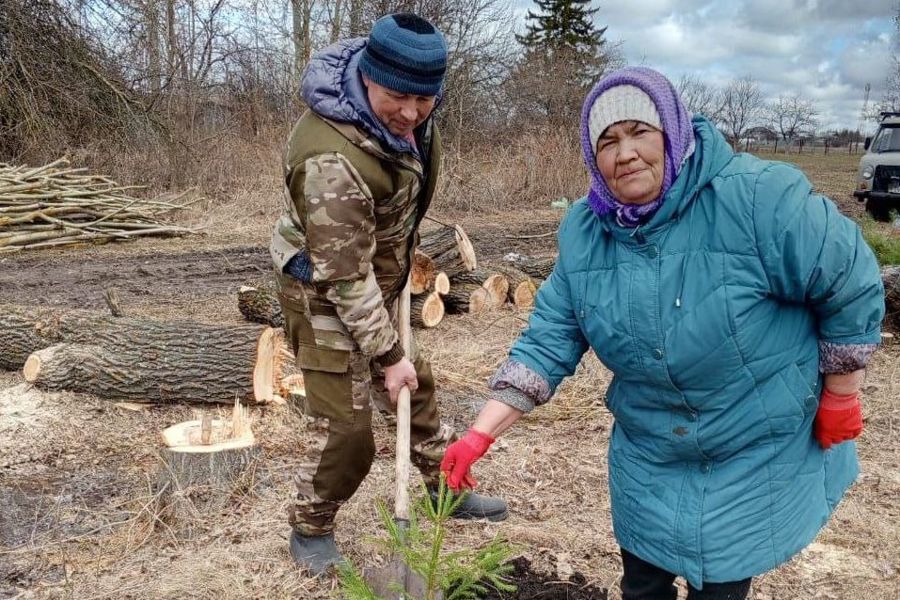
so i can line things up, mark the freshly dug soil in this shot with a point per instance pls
(542, 586)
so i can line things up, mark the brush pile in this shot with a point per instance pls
(56, 205)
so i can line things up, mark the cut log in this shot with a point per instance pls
(890, 277)
(422, 274)
(259, 305)
(205, 464)
(494, 282)
(466, 298)
(539, 268)
(126, 358)
(522, 287)
(426, 310)
(441, 283)
(450, 249)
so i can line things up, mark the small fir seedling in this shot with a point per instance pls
(466, 574)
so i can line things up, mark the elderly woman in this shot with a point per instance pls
(736, 309)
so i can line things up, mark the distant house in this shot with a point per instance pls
(761, 135)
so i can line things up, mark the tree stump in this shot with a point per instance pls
(259, 305)
(466, 298)
(146, 360)
(450, 249)
(426, 310)
(204, 465)
(422, 274)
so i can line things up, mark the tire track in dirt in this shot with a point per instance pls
(179, 281)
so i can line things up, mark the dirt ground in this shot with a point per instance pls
(78, 515)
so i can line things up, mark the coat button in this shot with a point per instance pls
(658, 354)
(652, 252)
(704, 468)
(692, 416)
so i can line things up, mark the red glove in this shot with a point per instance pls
(838, 419)
(460, 457)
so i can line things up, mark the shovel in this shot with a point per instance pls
(396, 580)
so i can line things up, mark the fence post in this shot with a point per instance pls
(826, 146)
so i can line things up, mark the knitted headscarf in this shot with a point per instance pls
(678, 139)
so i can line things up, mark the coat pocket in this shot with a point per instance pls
(291, 293)
(328, 382)
(801, 389)
(787, 400)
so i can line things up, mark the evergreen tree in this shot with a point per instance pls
(565, 54)
(563, 24)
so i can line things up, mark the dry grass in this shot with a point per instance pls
(524, 174)
(80, 518)
(91, 530)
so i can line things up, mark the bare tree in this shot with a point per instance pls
(59, 89)
(356, 18)
(742, 104)
(792, 115)
(890, 100)
(336, 17)
(301, 14)
(700, 97)
(151, 25)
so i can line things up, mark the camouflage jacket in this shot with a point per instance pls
(354, 208)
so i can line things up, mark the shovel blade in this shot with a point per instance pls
(392, 580)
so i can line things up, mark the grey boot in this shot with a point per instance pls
(316, 553)
(476, 506)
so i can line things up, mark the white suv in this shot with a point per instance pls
(878, 180)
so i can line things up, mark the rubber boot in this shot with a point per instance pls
(316, 553)
(476, 506)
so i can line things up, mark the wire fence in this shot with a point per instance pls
(823, 147)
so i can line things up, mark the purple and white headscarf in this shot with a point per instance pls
(678, 137)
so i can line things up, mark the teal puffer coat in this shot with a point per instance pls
(709, 317)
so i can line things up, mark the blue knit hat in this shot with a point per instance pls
(407, 54)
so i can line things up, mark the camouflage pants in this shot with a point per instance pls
(342, 387)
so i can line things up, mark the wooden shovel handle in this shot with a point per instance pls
(401, 500)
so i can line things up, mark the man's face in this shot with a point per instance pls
(400, 113)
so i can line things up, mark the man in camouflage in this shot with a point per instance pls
(360, 170)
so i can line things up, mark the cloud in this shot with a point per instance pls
(825, 50)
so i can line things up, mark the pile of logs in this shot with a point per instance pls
(446, 278)
(55, 205)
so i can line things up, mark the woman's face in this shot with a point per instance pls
(631, 158)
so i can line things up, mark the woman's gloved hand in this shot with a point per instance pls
(460, 457)
(838, 419)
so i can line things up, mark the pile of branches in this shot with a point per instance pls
(55, 205)
(59, 88)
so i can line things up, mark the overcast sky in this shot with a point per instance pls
(826, 50)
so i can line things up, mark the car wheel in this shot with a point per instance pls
(879, 209)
